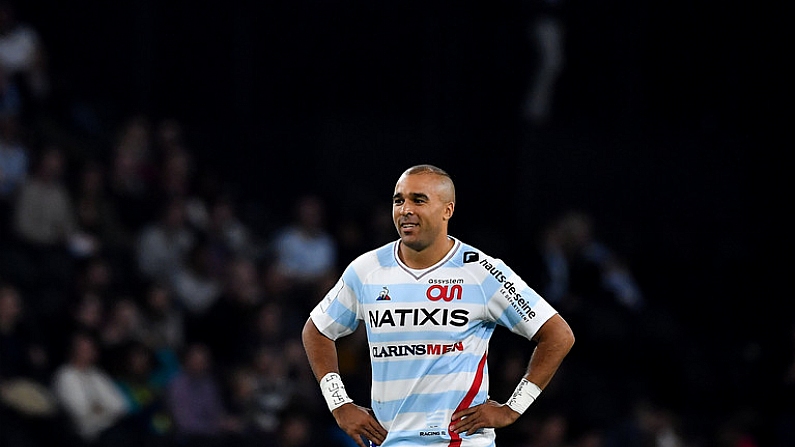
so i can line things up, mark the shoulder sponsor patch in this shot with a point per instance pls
(471, 256)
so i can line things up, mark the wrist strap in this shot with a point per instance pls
(334, 391)
(523, 396)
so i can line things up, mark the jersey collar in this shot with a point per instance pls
(419, 273)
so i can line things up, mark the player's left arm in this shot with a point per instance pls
(554, 341)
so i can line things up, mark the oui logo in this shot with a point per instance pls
(448, 293)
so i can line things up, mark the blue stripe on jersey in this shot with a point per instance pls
(424, 403)
(509, 318)
(412, 368)
(479, 329)
(385, 255)
(430, 336)
(351, 279)
(490, 285)
(342, 315)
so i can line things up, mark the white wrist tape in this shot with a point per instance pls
(334, 391)
(523, 396)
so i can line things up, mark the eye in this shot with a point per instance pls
(397, 201)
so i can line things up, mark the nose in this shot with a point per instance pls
(406, 209)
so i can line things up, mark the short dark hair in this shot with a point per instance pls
(426, 168)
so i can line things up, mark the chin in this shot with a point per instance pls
(413, 242)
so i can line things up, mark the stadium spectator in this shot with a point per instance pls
(197, 288)
(89, 395)
(133, 175)
(44, 226)
(121, 328)
(97, 216)
(44, 216)
(178, 178)
(244, 404)
(272, 325)
(162, 320)
(148, 422)
(195, 398)
(87, 315)
(28, 412)
(96, 277)
(163, 329)
(22, 55)
(305, 253)
(164, 245)
(229, 326)
(579, 264)
(23, 349)
(228, 236)
(274, 390)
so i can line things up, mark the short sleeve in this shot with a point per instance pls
(515, 305)
(337, 314)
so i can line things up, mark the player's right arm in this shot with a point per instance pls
(356, 421)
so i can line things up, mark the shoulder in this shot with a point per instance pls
(383, 256)
(369, 264)
(472, 258)
(479, 264)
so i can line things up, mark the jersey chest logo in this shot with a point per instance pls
(447, 293)
(384, 295)
(416, 317)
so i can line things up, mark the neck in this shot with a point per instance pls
(426, 257)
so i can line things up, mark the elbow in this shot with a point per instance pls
(556, 334)
(564, 336)
(568, 339)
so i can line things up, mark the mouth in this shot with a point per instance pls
(408, 226)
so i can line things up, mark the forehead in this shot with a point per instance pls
(428, 184)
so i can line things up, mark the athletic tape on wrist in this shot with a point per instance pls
(334, 391)
(523, 396)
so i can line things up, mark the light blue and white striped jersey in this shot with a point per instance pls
(428, 333)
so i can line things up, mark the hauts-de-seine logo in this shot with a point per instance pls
(383, 295)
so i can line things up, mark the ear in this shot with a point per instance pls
(448, 211)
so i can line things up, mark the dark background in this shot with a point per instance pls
(659, 130)
(656, 129)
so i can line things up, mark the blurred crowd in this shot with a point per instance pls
(139, 308)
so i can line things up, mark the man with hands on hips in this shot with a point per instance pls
(430, 304)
